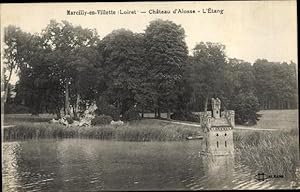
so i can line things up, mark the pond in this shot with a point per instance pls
(93, 165)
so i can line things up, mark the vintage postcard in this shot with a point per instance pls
(137, 96)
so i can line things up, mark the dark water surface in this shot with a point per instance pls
(93, 165)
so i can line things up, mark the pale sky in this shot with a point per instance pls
(249, 30)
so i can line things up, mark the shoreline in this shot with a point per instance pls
(147, 129)
(141, 130)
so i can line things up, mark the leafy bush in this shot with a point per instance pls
(69, 119)
(76, 118)
(101, 120)
(104, 108)
(188, 116)
(245, 106)
(131, 114)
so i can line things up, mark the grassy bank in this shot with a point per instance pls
(144, 130)
(278, 119)
(269, 152)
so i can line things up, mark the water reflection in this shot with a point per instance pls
(10, 182)
(218, 158)
(92, 165)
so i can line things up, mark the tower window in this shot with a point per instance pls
(225, 144)
(217, 144)
(225, 134)
(217, 134)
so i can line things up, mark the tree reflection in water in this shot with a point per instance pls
(218, 158)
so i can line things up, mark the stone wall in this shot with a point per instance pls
(218, 142)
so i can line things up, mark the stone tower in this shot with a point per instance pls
(218, 141)
(217, 126)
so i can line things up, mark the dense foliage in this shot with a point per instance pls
(66, 68)
(131, 114)
(101, 120)
(245, 106)
(166, 55)
(104, 108)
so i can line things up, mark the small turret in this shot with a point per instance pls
(216, 107)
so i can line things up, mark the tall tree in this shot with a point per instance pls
(36, 78)
(123, 64)
(66, 42)
(208, 70)
(166, 54)
(16, 44)
(238, 78)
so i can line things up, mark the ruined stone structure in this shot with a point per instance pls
(217, 126)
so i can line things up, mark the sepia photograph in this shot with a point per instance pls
(160, 96)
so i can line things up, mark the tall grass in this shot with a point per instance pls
(269, 152)
(154, 130)
(144, 130)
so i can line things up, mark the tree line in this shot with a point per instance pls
(67, 65)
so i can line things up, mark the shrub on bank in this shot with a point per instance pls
(104, 108)
(76, 118)
(102, 120)
(131, 114)
(69, 120)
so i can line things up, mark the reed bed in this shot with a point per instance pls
(273, 153)
(143, 130)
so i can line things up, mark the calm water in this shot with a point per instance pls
(93, 165)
